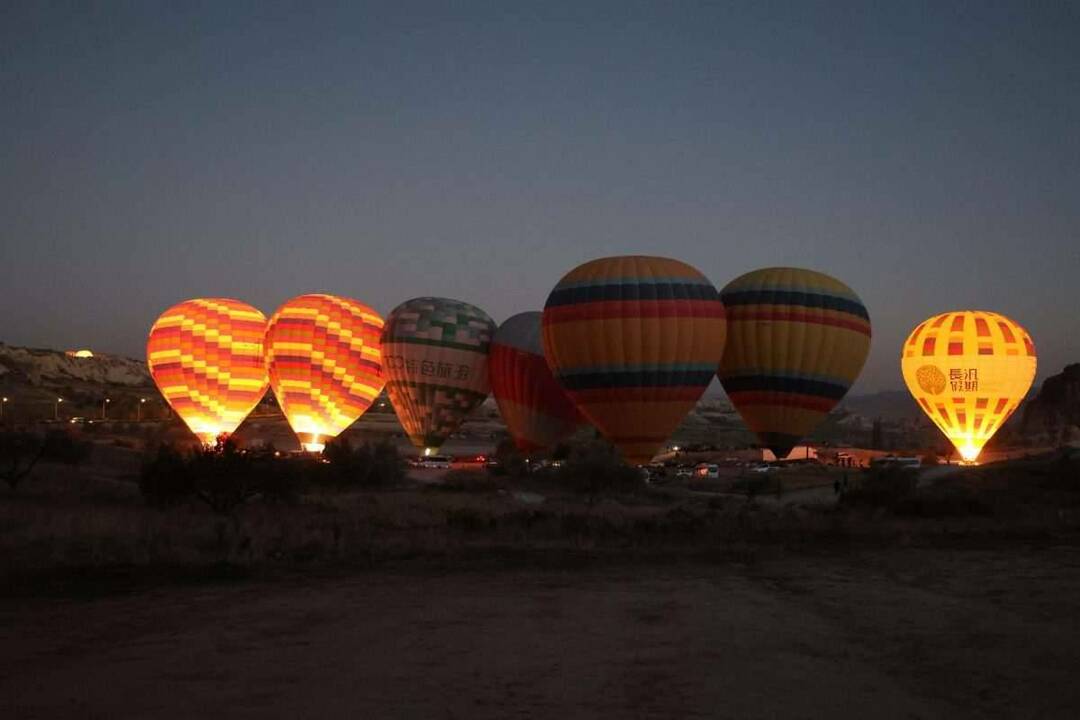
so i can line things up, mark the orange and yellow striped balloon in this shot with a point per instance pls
(206, 357)
(324, 357)
(969, 370)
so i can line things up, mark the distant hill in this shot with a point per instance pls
(890, 405)
(32, 379)
(49, 368)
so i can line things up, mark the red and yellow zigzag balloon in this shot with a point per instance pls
(206, 357)
(324, 358)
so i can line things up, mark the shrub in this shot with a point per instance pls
(511, 461)
(596, 468)
(223, 477)
(369, 465)
(227, 476)
(561, 451)
(754, 485)
(387, 465)
(166, 479)
(61, 446)
(19, 452)
(883, 487)
(947, 500)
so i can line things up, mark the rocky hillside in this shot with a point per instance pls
(1054, 413)
(51, 368)
(32, 379)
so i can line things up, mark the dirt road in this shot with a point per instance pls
(906, 634)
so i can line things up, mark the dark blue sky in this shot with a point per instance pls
(926, 154)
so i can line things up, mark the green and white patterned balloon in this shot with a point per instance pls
(435, 354)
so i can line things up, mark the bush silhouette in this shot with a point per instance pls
(227, 476)
(596, 468)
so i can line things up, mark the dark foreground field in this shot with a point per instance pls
(950, 595)
(889, 634)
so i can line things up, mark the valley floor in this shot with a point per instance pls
(914, 633)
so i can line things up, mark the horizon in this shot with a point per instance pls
(711, 392)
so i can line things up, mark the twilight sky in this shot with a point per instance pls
(926, 154)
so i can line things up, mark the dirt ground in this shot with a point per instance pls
(902, 634)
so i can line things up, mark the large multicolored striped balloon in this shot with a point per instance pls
(797, 340)
(537, 411)
(635, 341)
(206, 357)
(969, 370)
(324, 356)
(436, 356)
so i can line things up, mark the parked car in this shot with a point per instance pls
(684, 471)
(465, 462)
(440, 462)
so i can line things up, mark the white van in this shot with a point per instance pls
(441, 462)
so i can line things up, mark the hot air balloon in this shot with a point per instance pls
(635, 341)
(436, 354)
(797, 340)
(537, 411)
(324, 358)
(206, 357)
(968, 370)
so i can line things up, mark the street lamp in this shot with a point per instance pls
(104, 403)
(56, 408)
(2, 404)
(141, 401)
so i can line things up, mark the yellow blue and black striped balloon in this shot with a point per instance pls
(635, 341)
(797, 340)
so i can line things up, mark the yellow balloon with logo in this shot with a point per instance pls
(969, 370)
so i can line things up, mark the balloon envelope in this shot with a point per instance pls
(206, 357)
(324, 358)
(797, 340)
(968, 370)
(436, 358)
(537, 411)
(635, 341)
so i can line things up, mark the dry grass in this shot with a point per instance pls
(68, 520)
